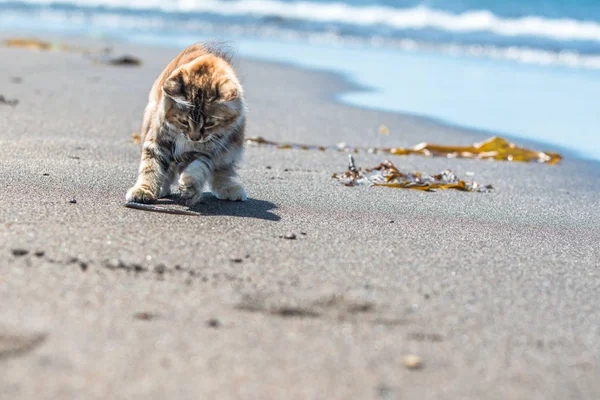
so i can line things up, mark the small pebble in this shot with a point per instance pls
(213, 323)
(412, 361)
(391, 221)
(236, 260)
(160, 269)
(268, 167)
(20, 252)
(46, 174)
(83, 265)
(303, 233)
(144, 315)
(138, 268)
(73, 201)
(4, 100)
(39, 253)
(290, 236)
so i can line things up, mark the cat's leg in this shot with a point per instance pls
(156, 159)
(224, 185)
(193, 178)
(169, 179)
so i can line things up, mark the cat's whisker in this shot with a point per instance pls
(219, 142)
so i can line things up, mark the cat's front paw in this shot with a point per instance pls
(140, 194)
(190, 193)
(234, 193)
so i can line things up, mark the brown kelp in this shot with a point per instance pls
(494, 148)
(386, 174)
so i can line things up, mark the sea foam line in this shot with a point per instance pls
(407, 18)
(116, 22)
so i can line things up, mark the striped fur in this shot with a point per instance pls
(193, 129)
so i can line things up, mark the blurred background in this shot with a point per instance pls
(519, 68)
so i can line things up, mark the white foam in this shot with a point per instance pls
(408, 18)
(116, 22)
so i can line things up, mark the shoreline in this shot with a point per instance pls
(353, 89)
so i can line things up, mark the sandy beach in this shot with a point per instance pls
(495, 293)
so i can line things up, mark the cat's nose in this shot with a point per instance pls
(195, 135)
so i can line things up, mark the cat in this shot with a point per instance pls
(193, 129)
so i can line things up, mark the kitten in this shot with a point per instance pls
(193, 129)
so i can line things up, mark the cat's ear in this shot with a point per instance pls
(228, 91)
(174, 87)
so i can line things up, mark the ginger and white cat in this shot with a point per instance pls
(193, 129)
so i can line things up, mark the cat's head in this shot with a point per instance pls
(205, 98)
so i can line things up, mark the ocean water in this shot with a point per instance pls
(526, 68)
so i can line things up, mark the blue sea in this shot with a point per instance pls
(523, 68)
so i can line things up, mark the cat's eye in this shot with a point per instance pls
(209, 124)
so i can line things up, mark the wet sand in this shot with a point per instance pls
(496, 293)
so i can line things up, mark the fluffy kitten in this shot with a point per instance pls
(193, 129)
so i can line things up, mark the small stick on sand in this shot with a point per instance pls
(164, 210)
(351, 166)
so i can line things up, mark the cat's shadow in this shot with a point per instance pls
(210, 205)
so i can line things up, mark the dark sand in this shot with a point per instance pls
(497, 293)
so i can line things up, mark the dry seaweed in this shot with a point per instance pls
(259, 140)
(386, 174)
(494, 148)
(32, 44)
(105, 58)
(35, 44)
